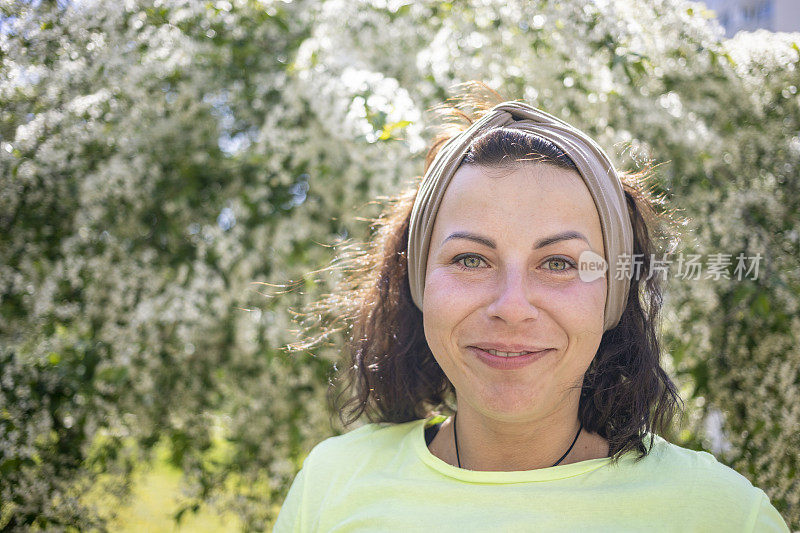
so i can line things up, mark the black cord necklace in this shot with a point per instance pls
(458, 458)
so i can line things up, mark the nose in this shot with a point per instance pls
(512, 301)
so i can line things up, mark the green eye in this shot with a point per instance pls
(469, 262)
(558, 264)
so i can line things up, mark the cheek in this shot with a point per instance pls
(448, 293)
(579, 306)
(446, 303)
(582, 320)
(438, 289)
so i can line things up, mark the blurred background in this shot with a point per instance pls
(161, 159)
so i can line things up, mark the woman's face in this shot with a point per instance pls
(502, 275)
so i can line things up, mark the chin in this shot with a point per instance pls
(509, 403)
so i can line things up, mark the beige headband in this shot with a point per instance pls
(593, 164)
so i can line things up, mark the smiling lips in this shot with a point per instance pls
(508, 350)
(513, 357)
(506, 354)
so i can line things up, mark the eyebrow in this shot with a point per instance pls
(541, 243)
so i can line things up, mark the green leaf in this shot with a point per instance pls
(761, 305)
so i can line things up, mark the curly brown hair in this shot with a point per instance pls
(392, 376)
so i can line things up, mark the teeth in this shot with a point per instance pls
(506, 354)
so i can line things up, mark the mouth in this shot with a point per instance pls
(510, 350)
(508, 360)
(498, 353)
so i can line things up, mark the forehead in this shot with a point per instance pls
(545, 179)
(539, 187)
(525, 200)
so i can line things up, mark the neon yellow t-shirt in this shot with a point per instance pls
(382, 477)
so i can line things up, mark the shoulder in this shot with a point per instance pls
(704, 485)
(330, 465)
(337, 455)
(701, 469)
(368, 436)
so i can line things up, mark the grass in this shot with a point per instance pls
(155, 498)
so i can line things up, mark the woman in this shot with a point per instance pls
(501, 285)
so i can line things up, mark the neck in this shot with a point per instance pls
(489, 444)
